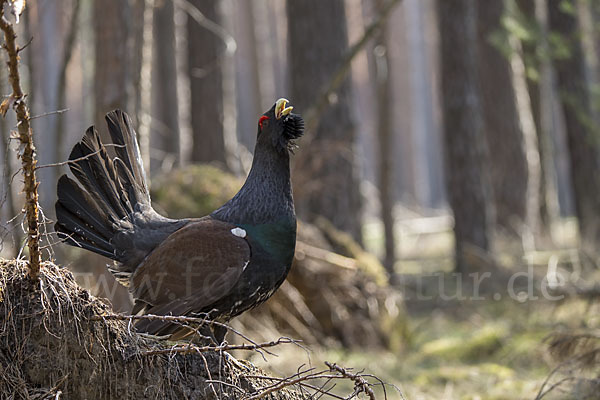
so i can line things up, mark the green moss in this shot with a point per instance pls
(480, 345)
(193, 191)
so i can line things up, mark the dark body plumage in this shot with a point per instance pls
(222, 264)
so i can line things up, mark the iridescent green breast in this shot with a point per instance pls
(278, 238)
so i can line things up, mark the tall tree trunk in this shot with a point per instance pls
(503, 132)
(426, 144)
(205, 50)
(165, 112)
(116, 80)
(582, 139)
(59, 129)
(142, 76)
(119, 45)
(380, 70)
(534, 12)
(466, 150)
(529, 142)
(111, 72)
(588, 32)
(248, 100)
(317, 33)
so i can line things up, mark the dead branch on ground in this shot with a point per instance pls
(305, 380)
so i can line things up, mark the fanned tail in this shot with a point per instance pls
(109, 211)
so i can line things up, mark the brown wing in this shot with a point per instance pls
(189, 271)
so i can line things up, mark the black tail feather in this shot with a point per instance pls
(93, 173)
(90, 214)
(72, 197)
(77, 233)
(128, 152)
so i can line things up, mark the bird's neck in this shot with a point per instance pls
(266, 196)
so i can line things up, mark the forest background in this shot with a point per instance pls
(450, 139)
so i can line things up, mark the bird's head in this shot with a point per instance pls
(279, 127)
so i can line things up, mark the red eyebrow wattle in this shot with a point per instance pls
(261, 119)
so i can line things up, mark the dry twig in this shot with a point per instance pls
(25, 135)
(361, 385)
(193, 324)
(192, 348)
(301, 379)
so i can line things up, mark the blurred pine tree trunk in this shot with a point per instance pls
(118, 27)
(205, 50)
(112, 75)
(317, 39)
(529, 143)
(466, 152)
(540, 89)
(501, 119)
(582, 136)
(247, 70)
(59, 129)
(426, 146)
(165, 112)
(380, 71)
(119, 50)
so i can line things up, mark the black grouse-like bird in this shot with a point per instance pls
(219, 265)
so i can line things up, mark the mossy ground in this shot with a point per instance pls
(494, 351)
(472, 350)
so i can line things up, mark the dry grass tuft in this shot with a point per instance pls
(578, 373)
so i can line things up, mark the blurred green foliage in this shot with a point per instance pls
(193, 191)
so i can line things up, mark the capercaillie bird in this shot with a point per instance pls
(219, 265)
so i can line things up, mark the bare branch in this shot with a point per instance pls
(300, 379)
(211, 26)
(360, 383)
(20, 49)
(76, 160)
(188, 323)
(56, 112)
(192, 348)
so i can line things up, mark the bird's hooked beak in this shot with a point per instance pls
(281, 109)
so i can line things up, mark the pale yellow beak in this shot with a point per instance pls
(281, 109)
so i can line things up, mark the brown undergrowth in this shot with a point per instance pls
(577, 374)
(54, 341)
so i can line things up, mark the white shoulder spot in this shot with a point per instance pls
(239, 232)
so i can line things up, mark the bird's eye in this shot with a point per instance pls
(263, 121)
